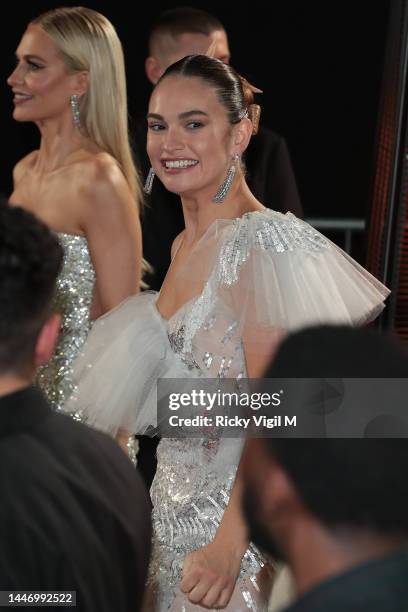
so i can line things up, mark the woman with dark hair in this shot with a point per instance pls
(241, 277)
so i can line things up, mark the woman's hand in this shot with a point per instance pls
(210, 574)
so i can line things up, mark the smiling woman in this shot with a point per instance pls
(190, 146)
(40, 82)
(81, 181)
(241, 277)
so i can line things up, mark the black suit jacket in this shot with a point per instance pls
(74, 514)
(380, 585)
(269, 175)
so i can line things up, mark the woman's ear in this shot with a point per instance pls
(242, 135)
(81, 84)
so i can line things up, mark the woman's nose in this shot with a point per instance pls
(16, 77)
(173, 140)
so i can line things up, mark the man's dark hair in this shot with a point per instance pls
(30, 260)
(182, 20)
(346, 482)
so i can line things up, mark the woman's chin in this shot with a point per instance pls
(19, 116)
(173, 190)
(22, 117)
(175, 186)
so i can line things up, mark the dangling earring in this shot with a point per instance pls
(149, 182)
(75, 110)
(226, 185)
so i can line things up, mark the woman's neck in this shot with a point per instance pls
(200, 211)
(60, 144)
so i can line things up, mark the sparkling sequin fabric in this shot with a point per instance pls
(189, 497)
(73, 301)
(194, 477)
(256, 277)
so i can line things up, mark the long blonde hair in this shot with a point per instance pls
(88, 41)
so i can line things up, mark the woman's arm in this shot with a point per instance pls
(210, 573)
(113, 231)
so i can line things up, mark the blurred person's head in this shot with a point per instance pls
(324, 504)
(30, 260)
(184, 31)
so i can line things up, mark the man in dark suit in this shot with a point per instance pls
(336, 510)
(74, 514)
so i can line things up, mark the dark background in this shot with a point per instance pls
(318, 63)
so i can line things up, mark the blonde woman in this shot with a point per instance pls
(70, 80)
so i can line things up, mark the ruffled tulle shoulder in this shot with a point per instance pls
(116, 373)
(270, 232)
(276, 270)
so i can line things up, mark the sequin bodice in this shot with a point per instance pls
(73, 301)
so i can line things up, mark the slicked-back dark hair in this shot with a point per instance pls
(232, 91)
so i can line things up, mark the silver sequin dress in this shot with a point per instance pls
(73, 301)
(252, 278)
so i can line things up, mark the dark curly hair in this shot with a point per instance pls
(30, 260)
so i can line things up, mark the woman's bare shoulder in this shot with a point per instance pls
(101, 179)
(104, 193)
(23, 165)
(102, 166)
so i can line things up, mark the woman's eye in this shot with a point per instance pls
(193, 125)
(33, 66)
(156, 127)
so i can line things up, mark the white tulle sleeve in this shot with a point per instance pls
(292, 277)
(272, 274)
(126, 352)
